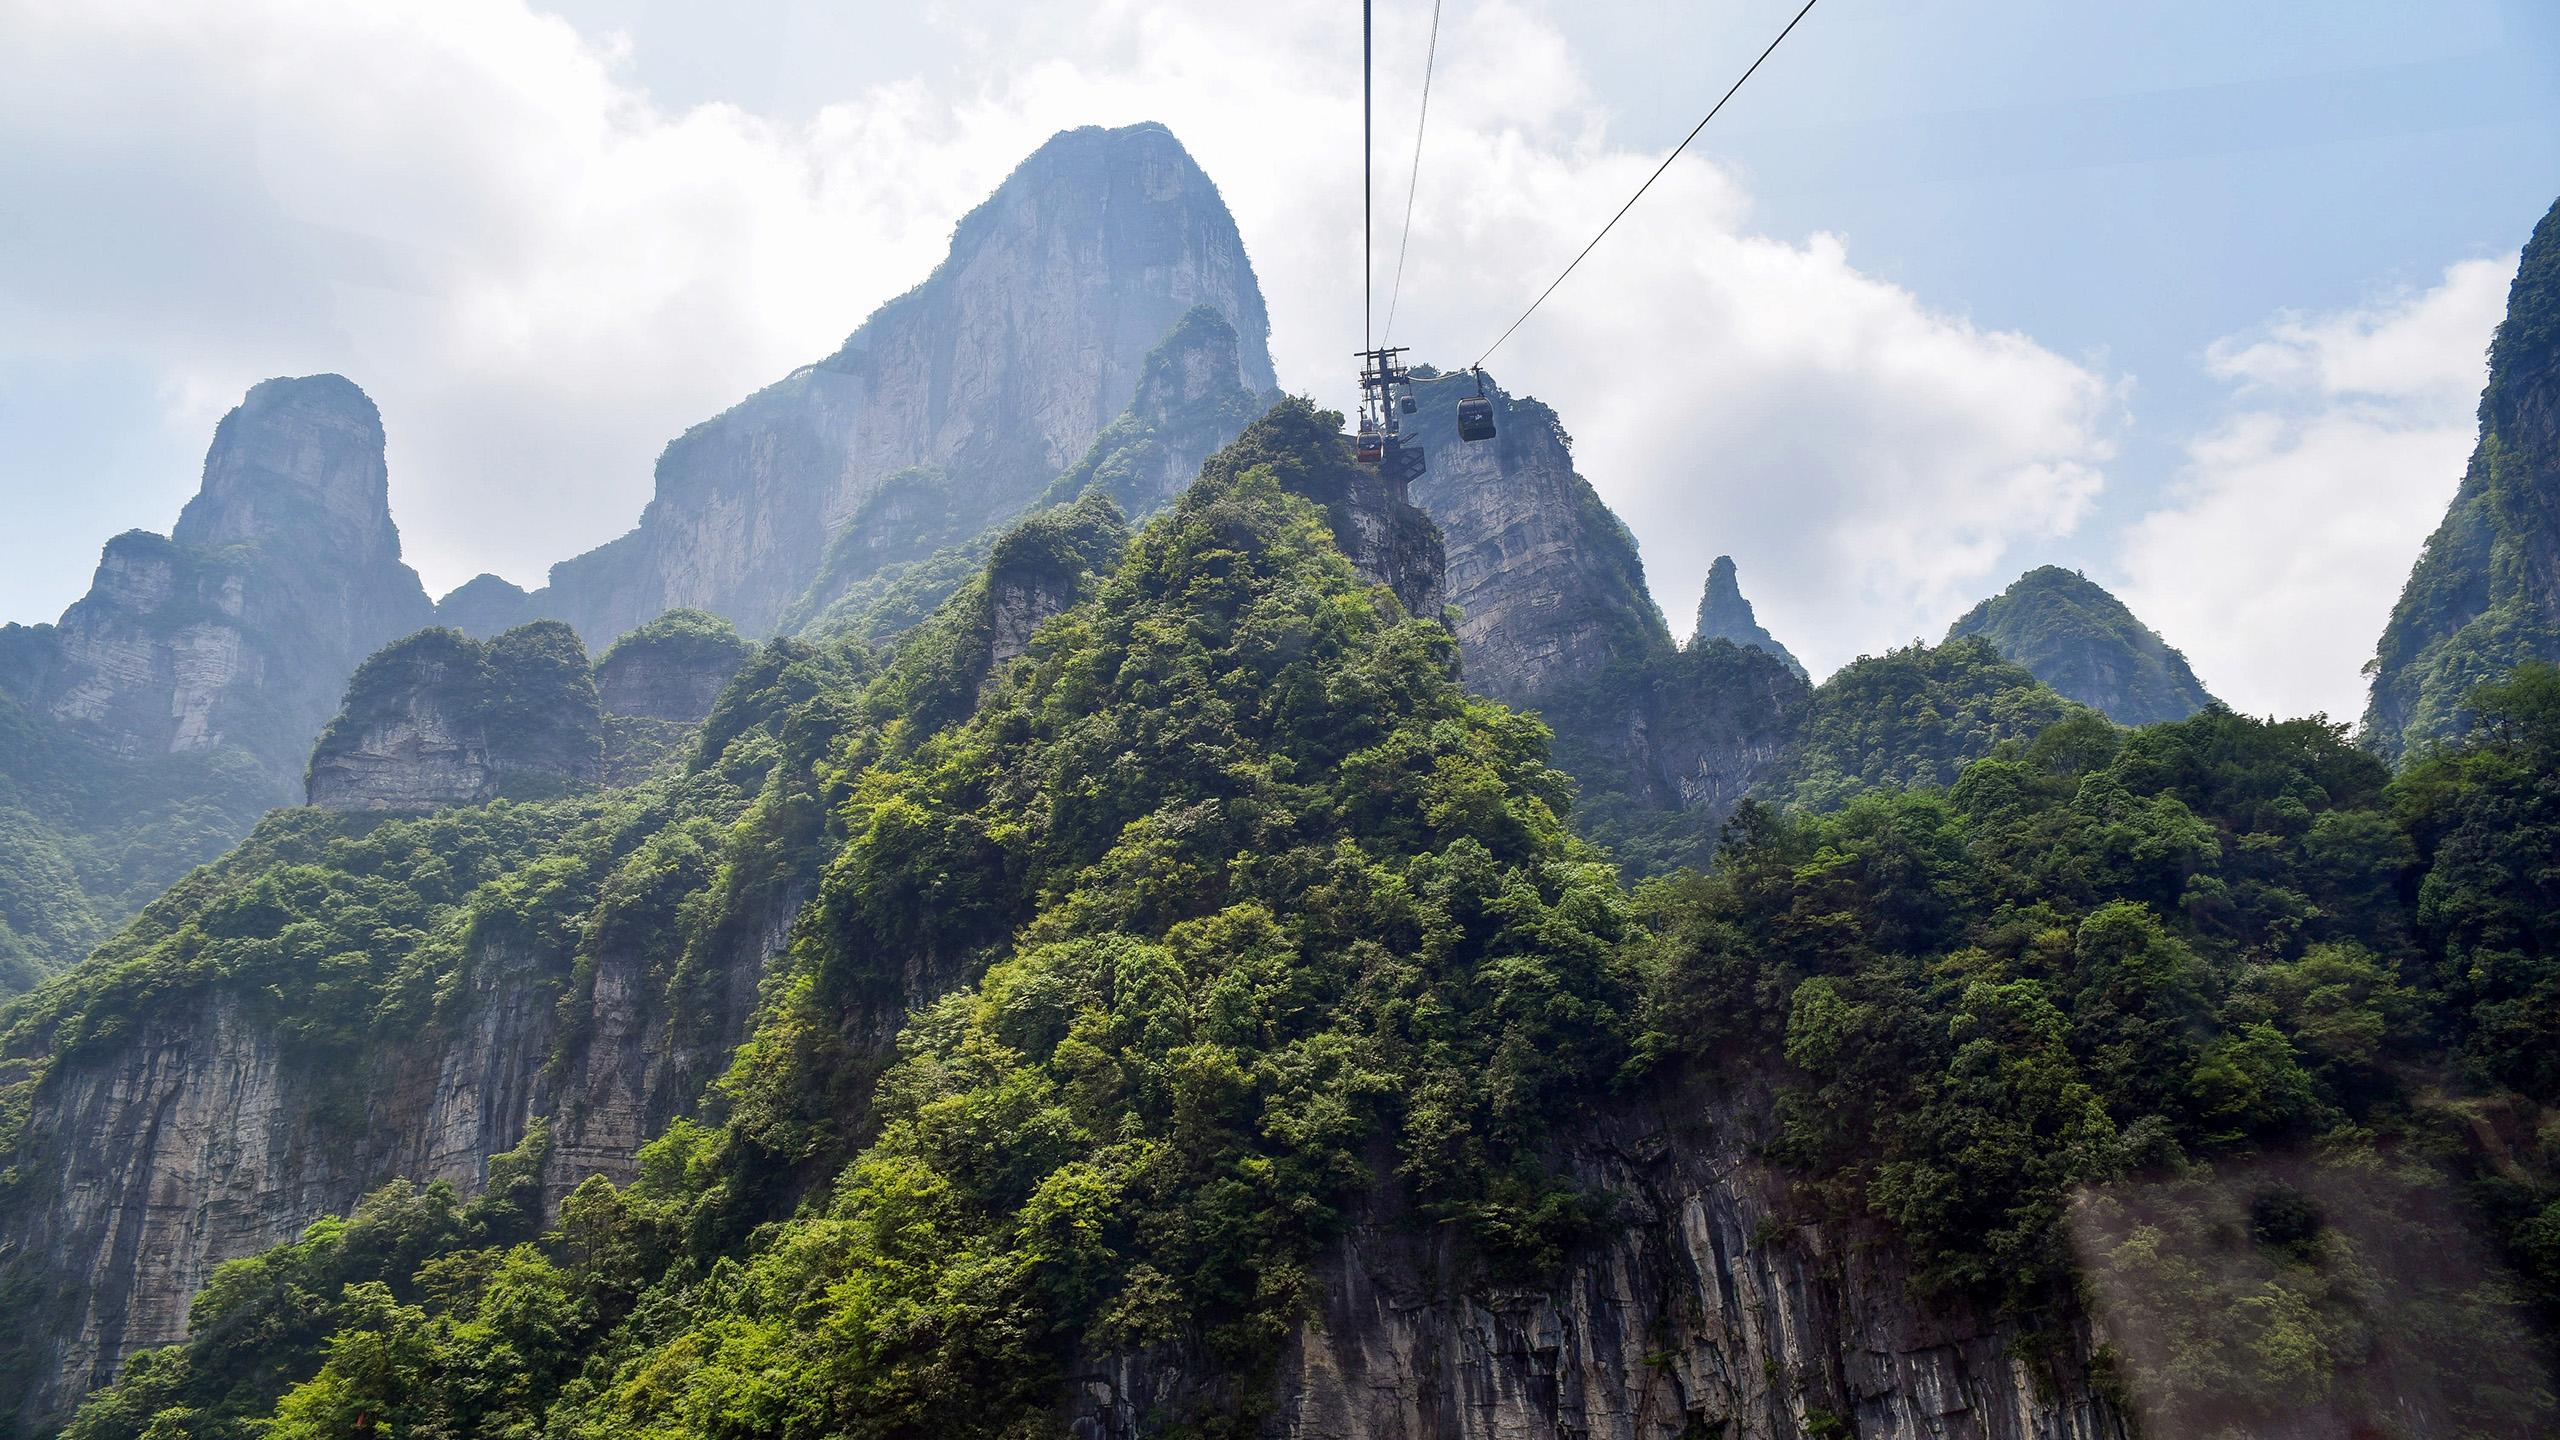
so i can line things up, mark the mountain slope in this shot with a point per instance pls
(949, 410)
(1724, 615)
(2074, 636)
(2485, 594)
(1215, 1025)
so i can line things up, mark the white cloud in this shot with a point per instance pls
(2294, 522)
(542, 274)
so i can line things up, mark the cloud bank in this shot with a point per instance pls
(2294, 522)
(542, 274)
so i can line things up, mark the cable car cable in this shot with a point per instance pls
(1413, 186)
(1647, 185)
(1368, 303)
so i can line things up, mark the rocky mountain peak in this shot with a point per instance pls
(2073, 635)
(949, 412)
(299, 462)
(1723, 614)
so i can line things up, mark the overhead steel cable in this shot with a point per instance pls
(1647, 185)
(1413, 185)
(1368, 302)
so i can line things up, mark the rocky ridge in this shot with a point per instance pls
(440, 719)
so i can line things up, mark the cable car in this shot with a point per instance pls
(1371, 447)
(1475, 414)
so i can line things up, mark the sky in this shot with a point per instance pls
(2190, 296)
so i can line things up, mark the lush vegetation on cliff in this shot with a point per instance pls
(2485, 594)
(2074, 636)
(1224, 910)
(91, 836)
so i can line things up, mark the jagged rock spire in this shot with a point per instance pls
(1723, 614)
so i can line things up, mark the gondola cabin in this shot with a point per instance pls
(1475, 418)
(1370, 446)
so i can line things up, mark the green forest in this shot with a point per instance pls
(1226, 910)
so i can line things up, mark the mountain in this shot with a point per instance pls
(1724, 615)
(2074, 636)
(2485, 593)
(1912, 717)
(1191, 401)
(946, 414)
(145, 731)
(1554, 616)
(1199, 1016)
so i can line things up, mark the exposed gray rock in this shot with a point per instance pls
(1705, 1312)
(441, 719)
(1546, 580)
(202, 1138)
(176, 701)
(952, 408)
(239, 628)
(1190, 403)
(1723, 614)
(672, 668)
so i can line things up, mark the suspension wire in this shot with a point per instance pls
(1413, 185)
(1647, 185)
(1368, 304)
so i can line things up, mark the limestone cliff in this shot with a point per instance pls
(1723, 614)
(1705, 1310)
(173, 703)
(1554, 615)
(1191, 401)
(441, 719)
(2485, 594)
(953, 406)
(672, 668)
(239, 628)
(1546, 580)
(2074, 636)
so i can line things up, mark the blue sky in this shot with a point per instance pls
(1953, 289)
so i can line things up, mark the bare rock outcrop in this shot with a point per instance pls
(440, 719)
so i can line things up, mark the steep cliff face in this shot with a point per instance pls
(1191, 402)
(2485, 594)
(177, 699)
(1706, 1310)
(1546, 580)
(212, 1132)
(2074, 636)
(441, 719)
(1554, 615)
(1723, 614)
(951, 409)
